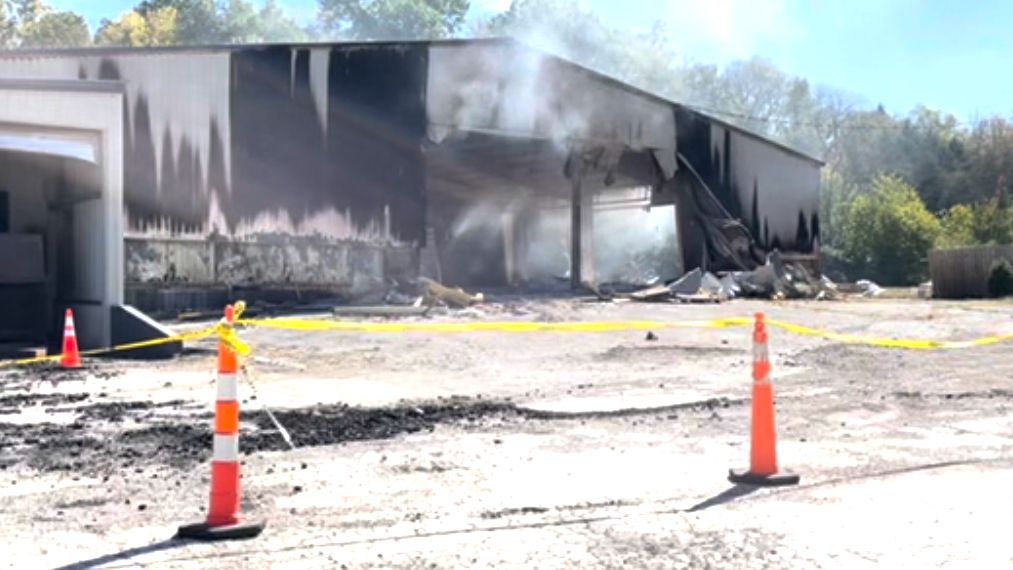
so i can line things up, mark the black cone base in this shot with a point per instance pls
(202, 531)
(775, 480)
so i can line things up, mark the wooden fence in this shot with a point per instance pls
(963, 272)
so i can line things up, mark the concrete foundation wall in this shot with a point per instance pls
(202, 267)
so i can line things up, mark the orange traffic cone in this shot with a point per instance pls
(71, 357)
(223, 521)
(763, 468)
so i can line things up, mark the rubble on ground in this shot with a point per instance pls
(868, 288)
(456, 297)
(773, 280)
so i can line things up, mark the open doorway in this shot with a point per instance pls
(50, 257)
(501, 210)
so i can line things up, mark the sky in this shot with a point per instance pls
(944, 54)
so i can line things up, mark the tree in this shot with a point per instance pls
(202, 22)
(993, 222)
(393, 19)
(889, 232)
(241, 22)
(957, 227)
(34, 24)
(8, 25)
(55, 30)
(274, 25)
(197, 21)
(29, 11)
(156, 28)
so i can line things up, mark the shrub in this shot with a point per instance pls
(1000, 279)
(888, 233)
(958, 227)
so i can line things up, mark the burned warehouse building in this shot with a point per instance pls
(168, 179)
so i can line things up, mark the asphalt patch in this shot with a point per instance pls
(48, 400)
(513, 512)
(55, 374)
(96, 442)
(981, 395)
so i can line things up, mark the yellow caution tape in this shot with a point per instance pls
(227, 332)
(196, 335)
(499, 326)
(611, 326)
(908, 343)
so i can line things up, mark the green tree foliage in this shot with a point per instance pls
(29, 11)
(989, 222)
(204, 22)
(197, 22)
(392, 19)
(957, 227)
(35, 24)
(837, 194)
(890, 231)
(155, 28)
(993, 222)
(56, 30)
(274, 25)
(8, 25)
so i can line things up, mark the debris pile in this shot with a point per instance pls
(415, 298)
(775, 279)
(437, 293)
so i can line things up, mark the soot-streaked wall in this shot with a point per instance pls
(299, 140)
(353, 151)
(773, 191)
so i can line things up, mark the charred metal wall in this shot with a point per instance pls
(314, 141)
(353, 150)
(773, 191)
(286, 168)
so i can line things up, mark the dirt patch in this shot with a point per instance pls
(18, 401)
(117, 411)
(981, 395)
(631, 352)
(328, 425)
(857, 357)
(81, 503)
(491, 515)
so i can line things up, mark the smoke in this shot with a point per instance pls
(513, 90)
(510, 90)
(636, 246)
(633, 244)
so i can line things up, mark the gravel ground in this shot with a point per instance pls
(546, 450)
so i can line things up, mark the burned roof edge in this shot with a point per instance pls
(219, 48)
(76, 85)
